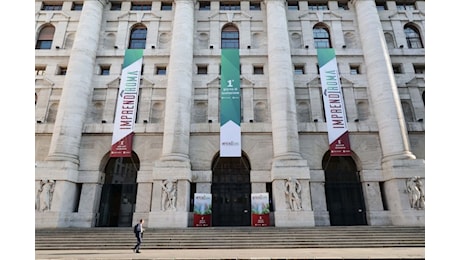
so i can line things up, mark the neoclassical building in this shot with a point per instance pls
(282, 121)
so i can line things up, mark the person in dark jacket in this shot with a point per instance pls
(138, 231)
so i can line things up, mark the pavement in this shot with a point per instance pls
(288, 253)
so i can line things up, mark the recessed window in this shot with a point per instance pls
(45, 37)
(40, 70)
(51, 7)
(105, 69)
(138, 37)
(62, 70)
(293, 5)
(354, 70)
(258, 70)
(414, 41)
(343, 6)
(299, 70)
(397, 68)
(321, 36)
(405, 6)
(165, 6)
(77, 6)
(141, 6)
(202, 69)
(230, 38)
(115, 6)
(204, 5)
(381, 5)
(254, 6)
(419, 68)
(230, 6)
(161, 70)
(318, 6)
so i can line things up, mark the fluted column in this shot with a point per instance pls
(76, 93)
(382, 85)
(174, 164)
(282, 95)
(288, 163)
(179, 91)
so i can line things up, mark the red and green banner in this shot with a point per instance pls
(230, 104)
(334, 107)
(125, 115)
(202, 209)
(260, 210)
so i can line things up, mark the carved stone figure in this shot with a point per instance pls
(44, 195)
(416, 192)
(168, 196)
(292, 191)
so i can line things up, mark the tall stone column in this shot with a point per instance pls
(398, 162)
(62, 162)
(174, 164)
(287, 162)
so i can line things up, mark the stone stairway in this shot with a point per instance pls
(231, 238)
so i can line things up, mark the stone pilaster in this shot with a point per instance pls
(398, 162)
(287, 161)
(62, 162)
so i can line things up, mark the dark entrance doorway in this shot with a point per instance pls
(344, 193)
(231, 191)
(118, 198)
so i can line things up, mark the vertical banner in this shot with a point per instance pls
(125, 115)
(260, 210)
(230, 113)
(334, 107)
(202, 209)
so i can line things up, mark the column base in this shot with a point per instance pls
(294, 219)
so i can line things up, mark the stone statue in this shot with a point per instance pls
(44, 195)
(292, 191)
(168, 195)
(416, 192)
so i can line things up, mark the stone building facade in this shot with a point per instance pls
(80, 48)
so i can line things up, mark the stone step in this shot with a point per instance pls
(231, 237)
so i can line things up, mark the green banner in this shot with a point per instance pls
(230, 104)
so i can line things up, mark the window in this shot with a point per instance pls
(354, 70)
(230, 6)
(202, 69)
(115, 6)
(317, 7)
(405, 6)
(45, 38)
(254, 6)
(77, 6)
(293, 5)
(62, 70)
(343, 6)
(258, 70)
(52, 6)
(419, 68)
(166, 6)
(299, 70)
(161, 70)
(414, 41)
(230, 37)
(138, 37)
(141, 6)
(204, 5)
(381, 5)
(397, 68)
(40, 70)
(105, 69)
(321, 37)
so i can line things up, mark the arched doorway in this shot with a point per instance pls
(118, 196)
(231, 191)
(344, 193)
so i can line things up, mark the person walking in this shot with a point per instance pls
(138, 231)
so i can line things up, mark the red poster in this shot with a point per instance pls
(123, 147)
